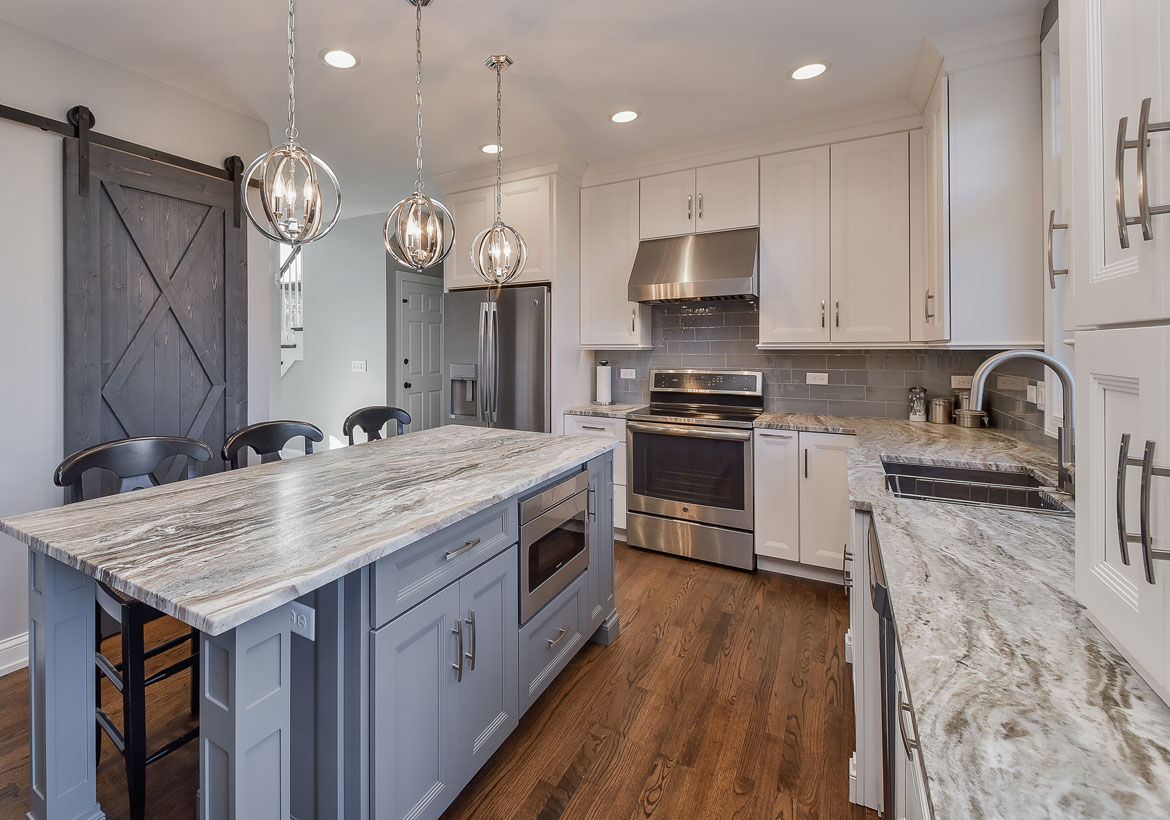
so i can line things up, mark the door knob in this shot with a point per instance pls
(406, 385)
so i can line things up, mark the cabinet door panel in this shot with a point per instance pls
(668, 205)
(930, 301)
(600, 601)
(1122, 388)
(776, 456)
(527, 207)
(825, 525)
(472, 211)
(794, 247)
(489, 600)
(609, 243)
(727, 196)
(870, 240)
(414, 767)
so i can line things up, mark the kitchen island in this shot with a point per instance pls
(322, 586)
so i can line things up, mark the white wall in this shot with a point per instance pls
(345, 320)
(47, 78)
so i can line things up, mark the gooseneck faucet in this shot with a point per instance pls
(1064, 435)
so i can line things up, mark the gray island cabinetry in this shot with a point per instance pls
(362, 651)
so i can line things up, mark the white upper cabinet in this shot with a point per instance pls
(727, 196)
(714, 198)
(870, 240)
(668, 205)
(1115, 55)
(794, 247)
(609, 243)
(527, 207)
(930, 264)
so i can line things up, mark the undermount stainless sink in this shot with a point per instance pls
(1009, 487)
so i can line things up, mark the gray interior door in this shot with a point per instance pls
(155, 304)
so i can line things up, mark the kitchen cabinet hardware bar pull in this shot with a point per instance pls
(822, 313)
(700, 206)
(561, 633)
(591, 503)
(1146, 212)
(927, 315)
(592, 427)
(468, 546)
(806, 462)
(1122, 530)
(474, 632)
(1143, 538)
(633, 318)
(689, 432)
(837, 311)
(1053, 225)
(775, 435)
(903, 709)
(690, 207)
(1123, 221)
(847, 569)
(458, 667)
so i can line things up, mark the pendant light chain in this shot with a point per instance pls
(499, 143)
(291, 131)
(418, 91)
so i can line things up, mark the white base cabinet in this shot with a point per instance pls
(802, 497)
(1123, 384)
(614, 430)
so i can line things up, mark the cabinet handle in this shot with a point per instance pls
(591, 503)
(837, 311)
(903, 709)
(1123, 221)
(762, 434)
(822, 313)
(847, 569)
(927, 315)
(1122, 529)
(1053, 225)
(592, 427)
(458, 667)
(474, 632)
(1143, 538)
(690, 207)
(1145, 211)
(700, 206)
(467, 547)
(806, 462)
(633, 318)
(560, 637)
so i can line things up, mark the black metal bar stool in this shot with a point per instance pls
(267, 438)
(371, 420)
(133, 462)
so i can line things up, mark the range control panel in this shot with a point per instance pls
(743, 383)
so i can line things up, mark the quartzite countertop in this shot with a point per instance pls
(1024, 709)
(604, 411)
(220, 550)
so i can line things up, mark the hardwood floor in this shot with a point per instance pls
(726, 696)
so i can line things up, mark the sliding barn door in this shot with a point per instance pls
(155, 304)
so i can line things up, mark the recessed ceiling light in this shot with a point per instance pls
(807, 72)
(625, 116)
(339, 58)
(490, 148)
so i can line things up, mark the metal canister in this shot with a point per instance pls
(942, 410)
(963, 399)
(966, 417)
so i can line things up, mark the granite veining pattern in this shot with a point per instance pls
(220, 550)
(806, 423)
(604, 411)
(1024, 709)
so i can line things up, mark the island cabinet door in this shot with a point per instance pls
(600, 589)
(489, 694)
(414, 767)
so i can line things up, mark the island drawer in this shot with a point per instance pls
(404, 578)
(550, 640)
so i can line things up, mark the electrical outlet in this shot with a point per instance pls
(1011, 383)
(1032, 393)
(628, 373)
(960, 382)
(302, 620)
(816, 378)
(358, 366)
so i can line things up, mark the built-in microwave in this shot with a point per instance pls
(554, 541)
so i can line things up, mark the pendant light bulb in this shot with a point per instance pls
(275, 174)
(419, 231)
(498, 252)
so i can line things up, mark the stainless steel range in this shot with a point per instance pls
(690, 465)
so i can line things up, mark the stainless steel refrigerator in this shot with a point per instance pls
(497, 359)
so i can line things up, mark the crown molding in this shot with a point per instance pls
(1007, 39)
(562, 162)
(871, 121)
(926, 74)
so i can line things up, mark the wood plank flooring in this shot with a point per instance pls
(726, 696)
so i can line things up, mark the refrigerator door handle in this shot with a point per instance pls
(495, 354)
(481, 398)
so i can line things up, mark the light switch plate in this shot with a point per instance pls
(358, 366)
(1032, 393)
(960, 382)
(1041, 396)
(816, 378)
(628, 373)
(1011, 383)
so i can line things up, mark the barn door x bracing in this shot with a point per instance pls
(155, 304)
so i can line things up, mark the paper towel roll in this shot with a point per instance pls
(604, 393)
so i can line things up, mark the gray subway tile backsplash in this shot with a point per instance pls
(861, 382)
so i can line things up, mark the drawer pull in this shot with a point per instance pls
(903, 709)
(775, 435)
(847, 569)
(467, 547)
(560, 637)
(592, 427)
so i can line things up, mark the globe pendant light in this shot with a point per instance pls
(498, 252)
(419, 231)
(289, 177)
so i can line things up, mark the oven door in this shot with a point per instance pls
(694, 473)
(554, 548)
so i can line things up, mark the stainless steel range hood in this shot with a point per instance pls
(721, 265)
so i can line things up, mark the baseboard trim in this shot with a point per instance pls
(13, 654)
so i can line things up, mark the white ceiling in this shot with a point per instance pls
(696, 69)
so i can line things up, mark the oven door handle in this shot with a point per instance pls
(690, 432)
